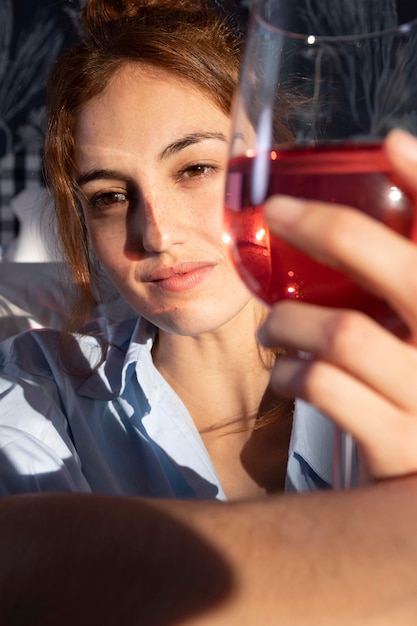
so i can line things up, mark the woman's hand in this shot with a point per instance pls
(358, 373)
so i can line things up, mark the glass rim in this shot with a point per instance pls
(311, 38)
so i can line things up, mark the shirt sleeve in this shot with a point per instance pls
(36, 451)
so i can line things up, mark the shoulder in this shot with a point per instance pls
(40, 353)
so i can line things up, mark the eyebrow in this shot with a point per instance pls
(189, 140)
(171, 149)
(100, 175)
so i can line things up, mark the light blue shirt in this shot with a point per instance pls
(122, 430)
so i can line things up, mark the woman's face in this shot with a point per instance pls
(151, 156)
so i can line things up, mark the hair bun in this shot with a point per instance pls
(99, 11)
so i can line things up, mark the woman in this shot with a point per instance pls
(166, 407)
(136, 153)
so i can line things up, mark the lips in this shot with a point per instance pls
(180, 277)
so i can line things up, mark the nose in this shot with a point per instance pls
(162, 222)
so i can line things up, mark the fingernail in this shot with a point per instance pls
(283, 210)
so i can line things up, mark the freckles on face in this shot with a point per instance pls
(167, 150)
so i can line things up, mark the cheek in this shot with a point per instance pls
(210, 217)
(108, 241)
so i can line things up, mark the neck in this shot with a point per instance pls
(221, 376)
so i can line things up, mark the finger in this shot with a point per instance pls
(386, 435)
(351, 341)
(377, 258)
(401, 149)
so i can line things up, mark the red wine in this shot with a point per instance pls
(357, 175)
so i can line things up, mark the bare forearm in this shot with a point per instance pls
(318, 559)
(310, 559)
(70, 559)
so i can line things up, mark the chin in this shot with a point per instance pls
(185, 325)
(201, 317)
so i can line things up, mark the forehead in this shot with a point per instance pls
(150, 105)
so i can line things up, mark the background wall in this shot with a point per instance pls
(32, 33)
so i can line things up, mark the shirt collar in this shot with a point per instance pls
(128, 342)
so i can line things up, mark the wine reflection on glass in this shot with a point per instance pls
(321, 85)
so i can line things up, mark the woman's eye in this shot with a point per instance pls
(108, 198)
(194, 171)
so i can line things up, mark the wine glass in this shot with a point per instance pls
(321, 85)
